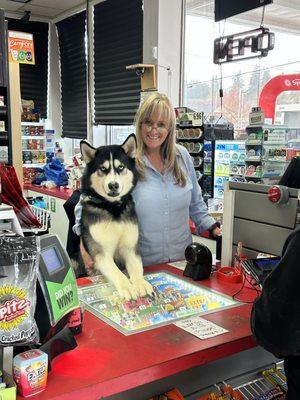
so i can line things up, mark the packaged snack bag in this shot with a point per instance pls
(18, 273)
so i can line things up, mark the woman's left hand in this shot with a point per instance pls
(216, 232)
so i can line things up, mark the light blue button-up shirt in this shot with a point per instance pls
(163, 210)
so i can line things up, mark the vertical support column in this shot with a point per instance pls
(15, 115)
(162, 44)
(228, 221)
(54, 120)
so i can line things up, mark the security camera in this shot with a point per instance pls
(26, 17)
(140, 71)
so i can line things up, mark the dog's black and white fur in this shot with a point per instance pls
(109, 222)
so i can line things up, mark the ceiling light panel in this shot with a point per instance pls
(20, 1)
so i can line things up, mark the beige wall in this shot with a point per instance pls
(15, 115)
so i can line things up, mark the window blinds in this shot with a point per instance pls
(72, 48)
(118, 41)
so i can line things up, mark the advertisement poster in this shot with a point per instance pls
(20, 47)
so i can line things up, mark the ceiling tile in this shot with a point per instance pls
(60, 5)
(10, 5)
(42, 11)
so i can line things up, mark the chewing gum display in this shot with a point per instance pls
(18, 273)
(30, 370)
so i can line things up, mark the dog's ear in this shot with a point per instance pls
(129, 145)
(87, 151)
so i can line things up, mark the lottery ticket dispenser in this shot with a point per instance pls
(56, 296)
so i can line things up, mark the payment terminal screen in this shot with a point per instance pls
(51, 260)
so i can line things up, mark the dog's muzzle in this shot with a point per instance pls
(113, 189)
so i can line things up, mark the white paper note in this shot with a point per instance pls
(200, 327)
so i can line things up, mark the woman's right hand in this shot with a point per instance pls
(87, 260)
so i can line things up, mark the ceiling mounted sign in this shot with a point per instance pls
(21, 47)
(241, 46)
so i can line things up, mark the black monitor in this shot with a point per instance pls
(291, 176)
(227, 8)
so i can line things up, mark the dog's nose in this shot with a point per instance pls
(113, 186)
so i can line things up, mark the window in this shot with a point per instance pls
(34, 78)
(242, 81)
(118, 41)
(72, 47)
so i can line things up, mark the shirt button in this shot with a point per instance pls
(166, 212)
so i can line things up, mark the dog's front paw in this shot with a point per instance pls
(142, 287)
(125, 289)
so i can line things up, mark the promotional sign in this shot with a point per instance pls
(57, 279)
(244, 45)
(272, 89)
(21, 47)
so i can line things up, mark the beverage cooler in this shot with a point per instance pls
(213, 134)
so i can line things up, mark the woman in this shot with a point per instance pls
(167, 194)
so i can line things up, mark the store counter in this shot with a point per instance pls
(61, 193)
(108, 365)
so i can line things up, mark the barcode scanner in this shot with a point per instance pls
(199, 262)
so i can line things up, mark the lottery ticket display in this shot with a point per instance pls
(174, 298)
(229, 164)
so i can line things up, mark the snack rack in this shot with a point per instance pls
(267, 383)
(33, 144)
(267, 153)
(189, 133)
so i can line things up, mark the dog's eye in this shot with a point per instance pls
(121, 168)
(102, 169)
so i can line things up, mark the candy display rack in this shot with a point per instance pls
(267, 153)
(33, 144)
(189, 133)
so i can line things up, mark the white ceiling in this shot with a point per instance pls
(282, 14)
(40, 9)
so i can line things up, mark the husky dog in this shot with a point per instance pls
(109, 222)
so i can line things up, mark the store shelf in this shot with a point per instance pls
(32, 123)
(190, 138)
(276, 161)
(3, 111)
(253, 142)
(33, 137)
(185, 137)
(33, 150)
(267, 143)
(253, 159)
(36, 165)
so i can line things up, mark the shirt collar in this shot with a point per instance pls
(148, 164)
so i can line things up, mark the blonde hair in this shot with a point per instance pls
(159, 104)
